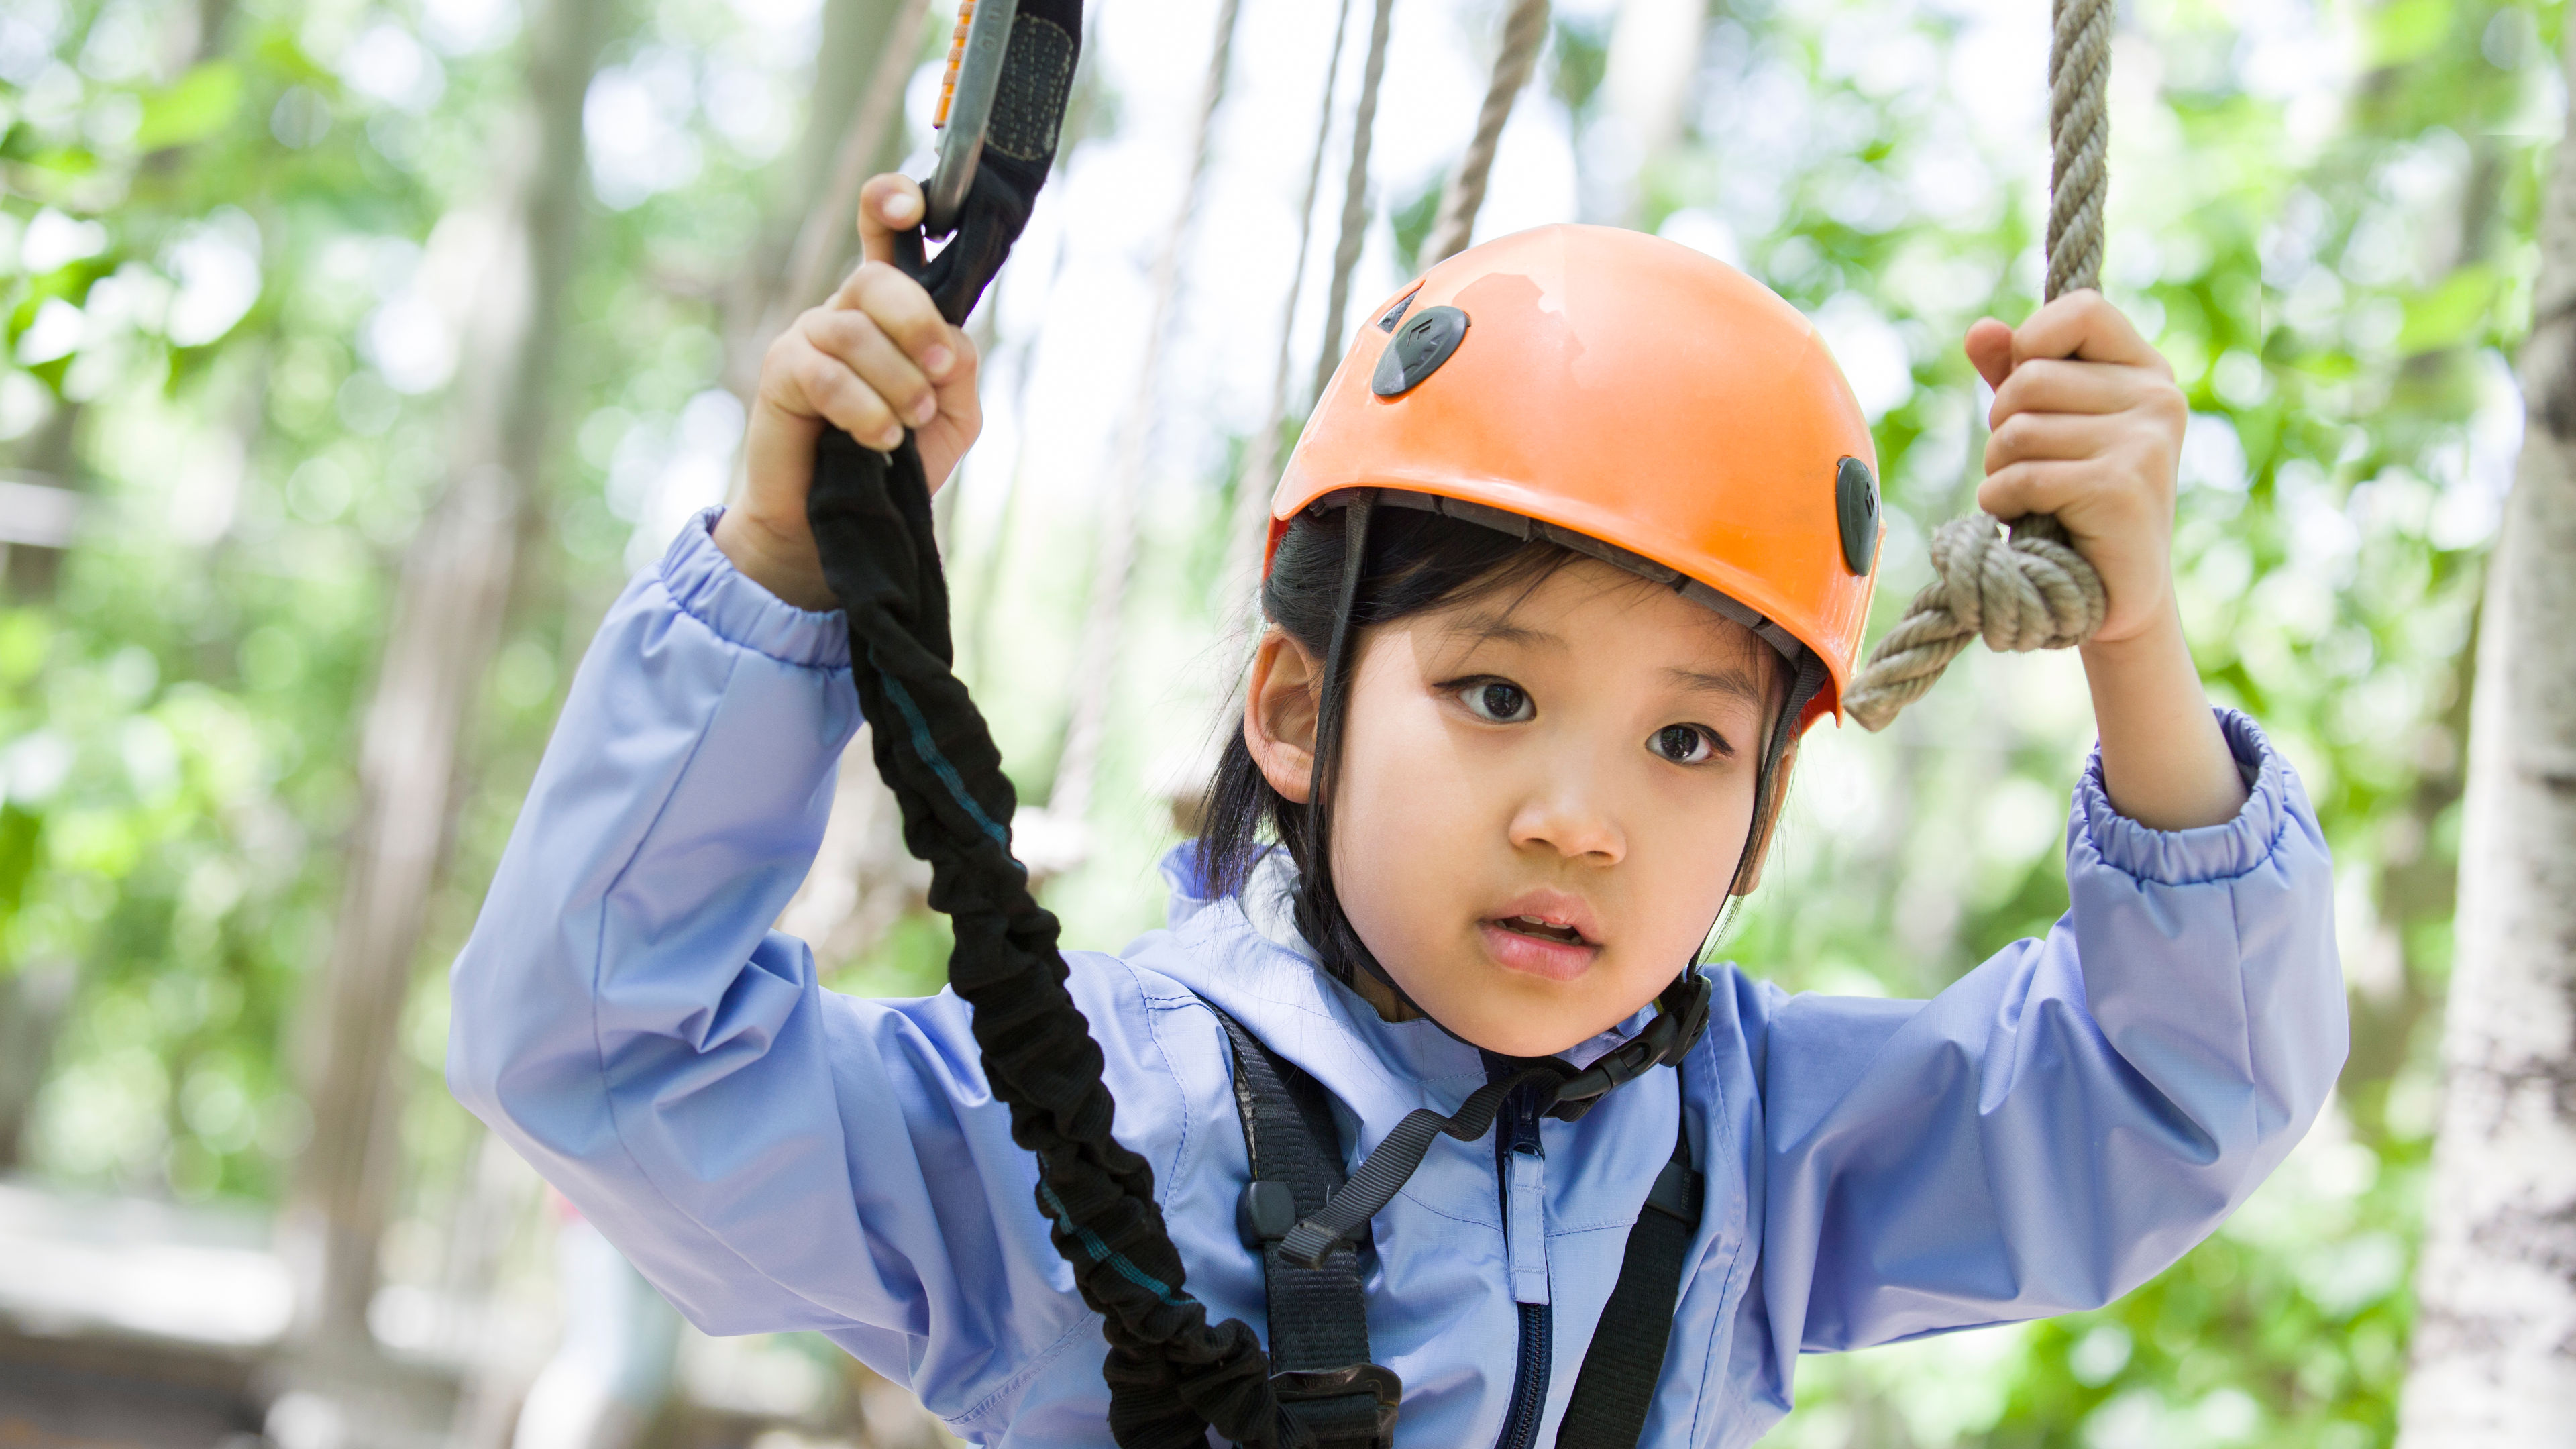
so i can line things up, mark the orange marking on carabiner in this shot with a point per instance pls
(956, 58)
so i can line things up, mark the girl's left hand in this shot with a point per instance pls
(2088, 425)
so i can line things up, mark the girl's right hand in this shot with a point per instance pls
(873, 360)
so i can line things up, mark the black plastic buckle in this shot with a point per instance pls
(1307, 1386)
(1689, 1015)
(1681, 1018)
(1264, 1214)
(1676, 1193)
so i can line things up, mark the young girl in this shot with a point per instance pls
(1578, 541)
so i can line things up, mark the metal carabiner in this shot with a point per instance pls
(966, 107)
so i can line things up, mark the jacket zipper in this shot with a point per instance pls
(1529, 1381)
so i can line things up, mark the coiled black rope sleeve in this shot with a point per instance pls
(1172, 1374)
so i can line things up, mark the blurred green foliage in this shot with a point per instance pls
(219, 223)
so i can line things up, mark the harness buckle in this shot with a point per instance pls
(1689, 1016)
(1265, 1213)
(1340, 1423)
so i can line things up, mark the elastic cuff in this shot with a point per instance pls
(709, 589)
(2209, 853)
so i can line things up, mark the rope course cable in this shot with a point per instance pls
(1524, 33)
(2022, 587)
(1251, 525)
(1355, 207)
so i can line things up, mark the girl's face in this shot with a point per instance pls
(1543, 796)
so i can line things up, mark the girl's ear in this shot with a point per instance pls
(1750, 877)
(1280, 711)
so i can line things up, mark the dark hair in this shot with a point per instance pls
(1413, 560)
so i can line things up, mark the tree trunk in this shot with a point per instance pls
(34, 998)
(857, 35)
(862, 880)
(854, 130)
(2495, 1345)
(1653, 61)
(446, 628)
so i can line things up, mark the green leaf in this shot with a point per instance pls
(278, 50)
(25, 638)
(2406, 29)
(191, 108)
(18, 831)
(2450, 313)
(65, 163)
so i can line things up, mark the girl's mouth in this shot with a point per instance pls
(1545, 930)
(1538, 947)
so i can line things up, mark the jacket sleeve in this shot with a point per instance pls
(2072, 1116)
(773, 1156)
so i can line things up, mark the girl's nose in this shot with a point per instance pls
(1570, 817)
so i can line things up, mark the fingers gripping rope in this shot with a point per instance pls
(2033, 591)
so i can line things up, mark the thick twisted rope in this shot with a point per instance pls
(1355, 207)
(1251, 525)
(2028, 589)
(1524, 32)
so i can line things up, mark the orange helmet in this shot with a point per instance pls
(1645, 403)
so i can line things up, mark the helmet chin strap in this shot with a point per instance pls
(1681, 1008)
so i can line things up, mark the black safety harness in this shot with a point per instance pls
(1172, 1374)
(1319, 1343)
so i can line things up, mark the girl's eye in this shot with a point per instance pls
(1683, 744)
(1498, 703)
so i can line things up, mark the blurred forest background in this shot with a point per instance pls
(358, 349)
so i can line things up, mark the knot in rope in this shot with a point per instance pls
(2023, 589)
(2030, 590)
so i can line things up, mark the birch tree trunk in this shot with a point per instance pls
(2495, 1342)
(453, 592)
(1646, 90)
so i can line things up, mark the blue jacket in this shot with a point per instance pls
(2046, 1134)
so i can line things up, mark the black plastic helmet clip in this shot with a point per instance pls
(1423, 343)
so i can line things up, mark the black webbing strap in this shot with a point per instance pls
(1319, 1343)
(1392, 1164)
(1617, 1384)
